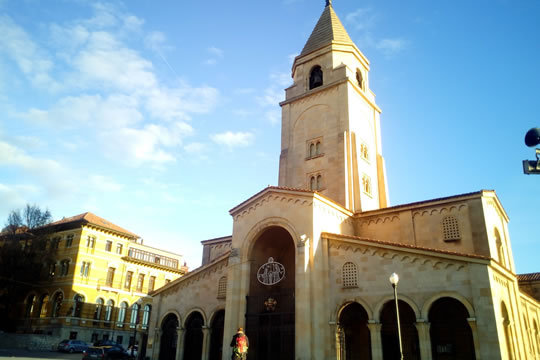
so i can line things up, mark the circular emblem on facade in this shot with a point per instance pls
(271, 273)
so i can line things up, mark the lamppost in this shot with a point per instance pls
(139, 302)
(394, 279)
(532, 138)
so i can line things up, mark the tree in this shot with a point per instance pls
(24, 255)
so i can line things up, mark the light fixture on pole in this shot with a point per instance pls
(394, 279)
(139, 302)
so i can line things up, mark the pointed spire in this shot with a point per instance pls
(329, 28)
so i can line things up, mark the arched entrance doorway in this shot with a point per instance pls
(389, 333)
(451, 334)
(216, 337)
(355, 341)
(193, 339)
(270, 302)
(169, 338)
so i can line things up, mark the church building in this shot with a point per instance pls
(306, 269)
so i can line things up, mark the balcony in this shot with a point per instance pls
(147, 258)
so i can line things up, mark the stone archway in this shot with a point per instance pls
(451, 334)
(389, 333)
(193, 339)
(216, 337)
(270, 313)
(169, 338)
(355, 340)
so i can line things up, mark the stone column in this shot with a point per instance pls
(156, 342)
(335, 329)
(206, 343)
(424, 338)
(303, 302)
(376, 340)
(179, 343)
(472, 324)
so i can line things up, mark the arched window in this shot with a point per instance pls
(97, 310)
(319, 182)
(79, 303)
(500, 249)
(360, 79)
(64, 267)
(528, 332)
(146, 315)
(364, 152)
(312, 183)
(318, 148)
(122, 314)
(108, 310)
(134, 315)
(349, 275)
(366, 184)
(43, 302)
(312, 150)
(507, 331)
(315, 77)
(537, 336)
(30, 305)
(57, 304)
(450, 227)
(222, 288)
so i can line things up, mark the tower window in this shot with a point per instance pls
(314, 148)
(315, 182)
(450, 227)
(366, 184)
(349, 275)
(315, 77)
(364, 151)
(360, 79)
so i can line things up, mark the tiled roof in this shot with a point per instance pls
(328, 29)
(529, 277)
(93, 219)
(407, 246)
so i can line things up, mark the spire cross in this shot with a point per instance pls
(328, 2)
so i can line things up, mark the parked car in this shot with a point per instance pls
(72, 346)
(114, 352)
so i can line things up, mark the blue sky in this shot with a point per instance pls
(162, 116)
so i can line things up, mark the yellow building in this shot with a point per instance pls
(98, 286)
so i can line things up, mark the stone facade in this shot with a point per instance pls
(338, 242)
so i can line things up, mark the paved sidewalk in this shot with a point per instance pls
(23, 354)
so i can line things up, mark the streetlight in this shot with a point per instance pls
(532, 138)
(139, 302)
(394, 279)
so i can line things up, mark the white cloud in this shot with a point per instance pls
(16, 44)
(104, 183)
(271, 97)
(361, 19)
(216, 51)
(233, 139)
(273, 116)
(391, 46)
(195, 148)
(14, 197)
(281, 78)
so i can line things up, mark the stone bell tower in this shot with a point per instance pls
(330, 137)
